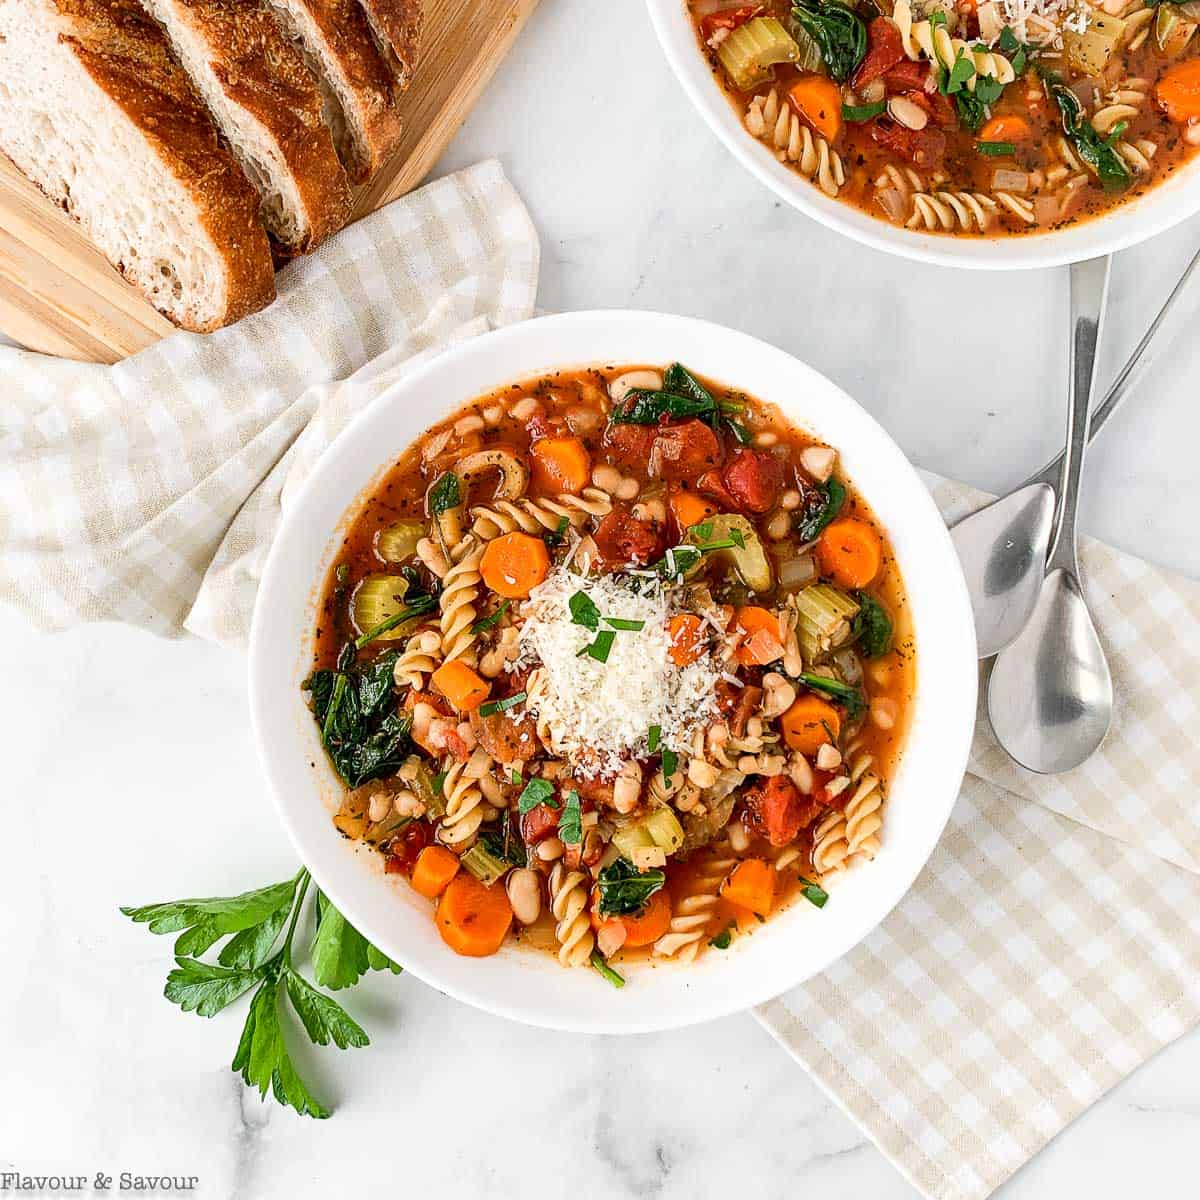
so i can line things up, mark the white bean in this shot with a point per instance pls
(620, 387)
(790, 500)
(779, 526)
(493, 414)
(550, 849)
(739, 839)
(525, 408)
(883, 712)
(524, 889)
(908, 112)
(818, 461)
(627, 488)
(766, 438)
(606, 478)
(701, 773)
(380, 806)
(471, 423)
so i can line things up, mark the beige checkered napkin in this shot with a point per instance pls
(148, 492)
(1052, 944)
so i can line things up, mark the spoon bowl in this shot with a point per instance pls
(1050, 695)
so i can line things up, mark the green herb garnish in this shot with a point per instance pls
(445, 494)
(849, 697)
(584, 611)
(1098, 152)
(723, 939)
(253, 922)
(536, 791)
(670, 761)
(570, 826)
(498, 706)
(494, 619)
(624, 625)
(653, 737)
(601, 648)
(996, 149)
(597, 961)
(856, 114)
(814, 893)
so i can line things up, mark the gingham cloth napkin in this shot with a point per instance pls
(1051, 945)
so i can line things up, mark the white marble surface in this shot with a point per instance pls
(130, 774)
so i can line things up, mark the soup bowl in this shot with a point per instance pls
(529, 985)
(1166, 204)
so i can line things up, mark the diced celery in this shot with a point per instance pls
(748, 559)
(823, 616)
(751, 50)
(659, 829)
(399, 541)
(484, 865)
(380, 831)
(376, 599)
(1090, 51)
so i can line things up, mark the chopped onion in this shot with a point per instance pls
(1045, 210)
(797, 572)
(1005, 179)
(893, 202)
(849, 666)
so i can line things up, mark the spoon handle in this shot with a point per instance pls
(1089, 294)
(1161, 333)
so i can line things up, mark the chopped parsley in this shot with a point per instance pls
(996, 149)
(584, 611)
(597, 961)
(498, 706)
(670, 761)
(723, 939)
(601, 648)
(570, 823)
(814, 893)
(494, 619)
(537, 791)
(856, 114)
(653, 737)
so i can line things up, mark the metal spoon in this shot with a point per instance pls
(1050, 695)
(1003, 546)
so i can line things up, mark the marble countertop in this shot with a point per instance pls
(132, 777)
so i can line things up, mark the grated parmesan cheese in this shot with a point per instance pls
(599, 714)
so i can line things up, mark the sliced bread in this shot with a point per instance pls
(396, 25)
(95, 112)
(267, 105)
(357, 85)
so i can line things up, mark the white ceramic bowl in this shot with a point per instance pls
(1169, 202)
(528, 985)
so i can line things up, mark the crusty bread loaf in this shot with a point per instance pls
(397, 28)
(267, 105)
(356, 83)
(95, 112)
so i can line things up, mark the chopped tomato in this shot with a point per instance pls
(538, 823)
(908, 76)
(924, 148)
(623, 538)
(711, 484)
(404, 849)
(775, 809)
(884, 51)
(506, 738)
(628, 445)
(754, 479)
(728, 18)
(684, 450)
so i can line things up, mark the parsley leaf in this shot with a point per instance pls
(498, 706)
(536, 791)
(814, 893)
(653, 737)
(495, 618)
(625, 625)
(324, 1019)
(723, 939)
(445, 494)
(584, 611)
(570, 826)
(670, 760)
(601, 648)
(205, 989)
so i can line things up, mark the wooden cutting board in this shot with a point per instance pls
(58, 294)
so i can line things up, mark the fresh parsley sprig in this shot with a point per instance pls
(253, 922)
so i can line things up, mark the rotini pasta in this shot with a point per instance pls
(937, 44)
(538, 516)
(852, 831)
(694, 913)
(463, 797)
(418, 659)
(795, 143)
(460, 589)
(568, 903)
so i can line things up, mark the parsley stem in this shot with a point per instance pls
(305, 879)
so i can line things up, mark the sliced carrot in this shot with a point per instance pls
(472, 918)
(1006, 129)
(642, 928)
(756, 650)
(810, 723)
(688, 509)
(561, 464)
(686, 631)
(850, 552)
(1178, 91)
(434, 869)
(514, 563)
(462, 686)
(752, 886)
(819, 102)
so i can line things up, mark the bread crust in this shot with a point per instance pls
(261, 71)
(127, 56)
(343, 29)
(397, 24)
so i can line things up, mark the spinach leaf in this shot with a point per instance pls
(1096, 151)
(821, 504)
(839, 32)
(648, 408)
(364, 738)
(849, 697)
(872, 627)
(624, 890)
(677, 378)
